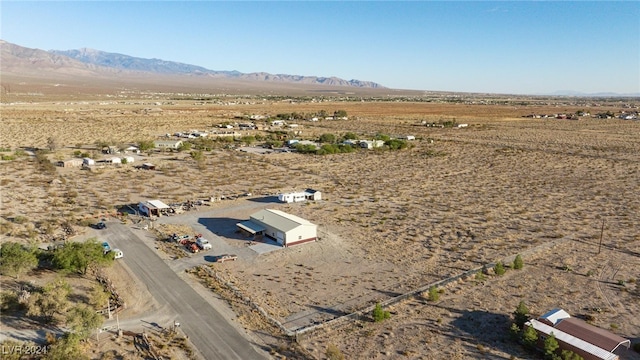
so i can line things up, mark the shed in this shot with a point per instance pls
(70, 163)
(152, 207)
(129, 159)
(284, 228)
(312, 194)
(88, 161)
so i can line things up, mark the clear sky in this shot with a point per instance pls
(500, 47)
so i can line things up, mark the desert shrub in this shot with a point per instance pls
(145, 145)
(349, 136)
(518, 263)
(570, 355)
(550, 347)
(396, 144)
(8, 157)
(499, 269)
(434, 295)
(514, 331)
(16, 260)
(52, 300)
(9, 300)
(529, 337)
(380, 314)
(20, 153)
(333, 353)
(82, 319)
(306, 148)
(521, 314)
(480, 276)
(327, 138)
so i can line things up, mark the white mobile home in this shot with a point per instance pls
(292, 197)
(308, 194)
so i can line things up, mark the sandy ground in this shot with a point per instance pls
(390, 221)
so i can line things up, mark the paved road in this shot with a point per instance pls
(207, 329)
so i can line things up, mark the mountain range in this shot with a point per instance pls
(85, 61)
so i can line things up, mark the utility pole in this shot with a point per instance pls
(601, 233)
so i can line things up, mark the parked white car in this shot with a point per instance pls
(118, 254)
(203, 244)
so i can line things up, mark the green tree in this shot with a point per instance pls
(82, 320)
(396, 144)
(80, 257)
(52, 300)
(529, 337)
(349, 136)
(197, 155)
(16, 260)
(550, 346)
(145, 145)
(248, 140)
(98, 297)
(521, 314)
(518, 263)
(340, 113)
(185, 146)
(434, 295)
(499, 269)
(380, 314)
(66, 347)
(327, 138)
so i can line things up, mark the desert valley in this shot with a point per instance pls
(423, 193)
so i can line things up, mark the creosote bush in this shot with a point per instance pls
(518, 263)
(499, 269)
(380, 314)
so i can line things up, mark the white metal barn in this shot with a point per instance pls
(152, 207)
(284, 228)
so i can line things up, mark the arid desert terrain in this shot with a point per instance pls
(563, 193)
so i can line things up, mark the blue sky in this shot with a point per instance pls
(499, 47)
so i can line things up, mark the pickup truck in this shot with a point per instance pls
(226, 257)
(203, 243)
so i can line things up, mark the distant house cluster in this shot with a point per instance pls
(625, 115)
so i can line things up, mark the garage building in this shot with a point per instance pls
(152, 207)
(284, 228)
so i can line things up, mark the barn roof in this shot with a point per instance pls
(554, 316)
(592, 334)
(279, 219)
(567, 338)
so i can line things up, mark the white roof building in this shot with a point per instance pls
(284, 228)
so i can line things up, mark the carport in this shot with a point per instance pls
(251, 228)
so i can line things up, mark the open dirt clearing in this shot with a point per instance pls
(390, 221)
